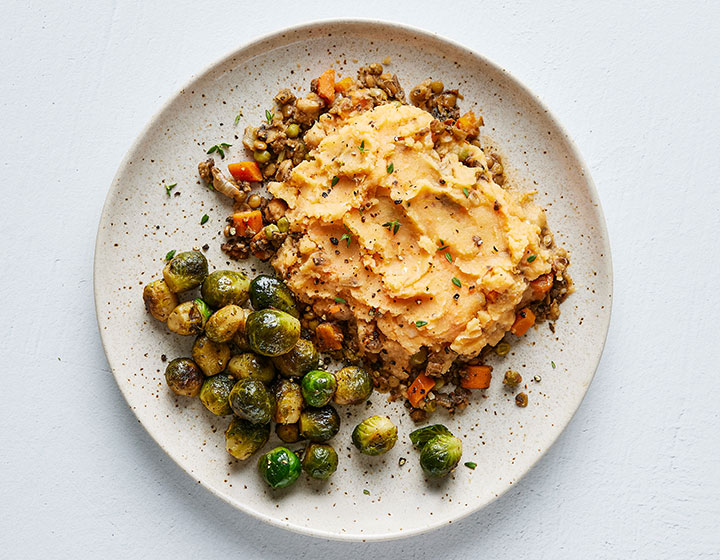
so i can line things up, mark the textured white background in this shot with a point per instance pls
(636, 473)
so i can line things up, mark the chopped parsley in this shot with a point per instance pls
(170, 255)
(471, 465)
(347, 237)
(338, 299)
(237, 118)
(393, 226)
(362, 146)
(334, 181)
(269, 116)
(457, 282)
(391, 167)
(448, 256)
(204, 219)
(531, 258)
(220, 149)
(420, 323)
(168, 188)
(466, 192)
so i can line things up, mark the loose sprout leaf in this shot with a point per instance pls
(471, 465)
(338, 299)
(204, 219)
(334, 180)
(421, 436)
(420, 323)
(390, 168)
(457, 282)
(170, 255)
(213, 149)
(531, 258)
(168, 188)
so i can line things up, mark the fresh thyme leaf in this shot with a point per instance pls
(531, 258)
(168, 188)
(338, 299)
(347, 237)
(466, 192)
(219, 148)
(420, 323)
(391, 167)
(448, 256)
(204, 219)
(170, 255)
(393, 226)
(237, 118)
(269, 116)
(362, 146)
(552, 364)
(457, 282)
(334, 181)
(366, 492)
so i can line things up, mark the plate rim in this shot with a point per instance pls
(379, 24)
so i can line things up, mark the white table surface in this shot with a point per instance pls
(636, 473)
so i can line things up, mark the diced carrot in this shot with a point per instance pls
(468, 123)
(247, 223)
(523, 321)
(326, 86)
(420, 389)
(476, 377)
(329, 336)
(334, 309)
(343, 85)
(246, 171)
(541, 285)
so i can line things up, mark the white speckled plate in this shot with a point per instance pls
(140, 224)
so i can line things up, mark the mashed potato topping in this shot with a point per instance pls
(404, 230)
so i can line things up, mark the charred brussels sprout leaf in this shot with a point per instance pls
(271, 332)
(279, 468)
(243, 438)
(210, 356)
(249, 365)
(421, 436)
(185, 271)
(224, 323)
(215, 392)
(319, 424)
(225, 287)
(320, 461)
(184, 377)
(440, 455)
(297, 362)
(289, 402)
(375, 435)
(250, 399)
(354, 385)
(187, 318)
(159, 300)
(318, 387)
(270, 292)
(289, 433)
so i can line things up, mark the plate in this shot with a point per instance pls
(368, 498)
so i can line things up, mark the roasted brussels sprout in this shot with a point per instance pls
(185, 271)
(215, 392)
(375, 435)
(319, 424)
(184, 377)
(187, 318)
(270, 292)
(271, 332)
(225, 287)
(289, 402)
(440, 455)
(243, 438)
(212, 357)
(159, 300)
(224, 323)
(250, 399)
(240, 341)
(318, 387)
(249, 365)
(320, 461)
(422, 435)
(279, 468)
(289, 433)
(354, 385)
(302, 358)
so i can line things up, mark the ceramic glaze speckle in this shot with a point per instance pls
(369, 498)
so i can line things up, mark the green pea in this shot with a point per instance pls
(262, 157)
(293, 131)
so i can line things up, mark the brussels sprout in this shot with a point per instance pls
(289, 433)
(318, 387)
(240, 341)
(242, 438)
(320, 461)
(225, 287)
(301, 359)
(421, 436)
(375, 435)
(251, 365)
(224, 323)
(319, 424)
(250, 399)
(271, 332)
(187, 318)
(270, 292)
(184, 377)
(440, 455)
(289, 402)
(159, 300)
(354, 385)
(279, 468)
(212, 357)
(214, 394)
(186, 271)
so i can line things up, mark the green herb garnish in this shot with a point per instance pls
(448, 256)
(457, 282)
(237, 118)
(393, 226)
(442, 245)
(552, 364)
(338, 299)
(170, 255)
(420, 323)
(220, 149)
(471, 465)
(168, 188)
(204, 219)
(269, 116)
(466, 192)
(362, 146)
(531, 258)
(347, 237)
(391, 167)
(366, 492)
(334, 181)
